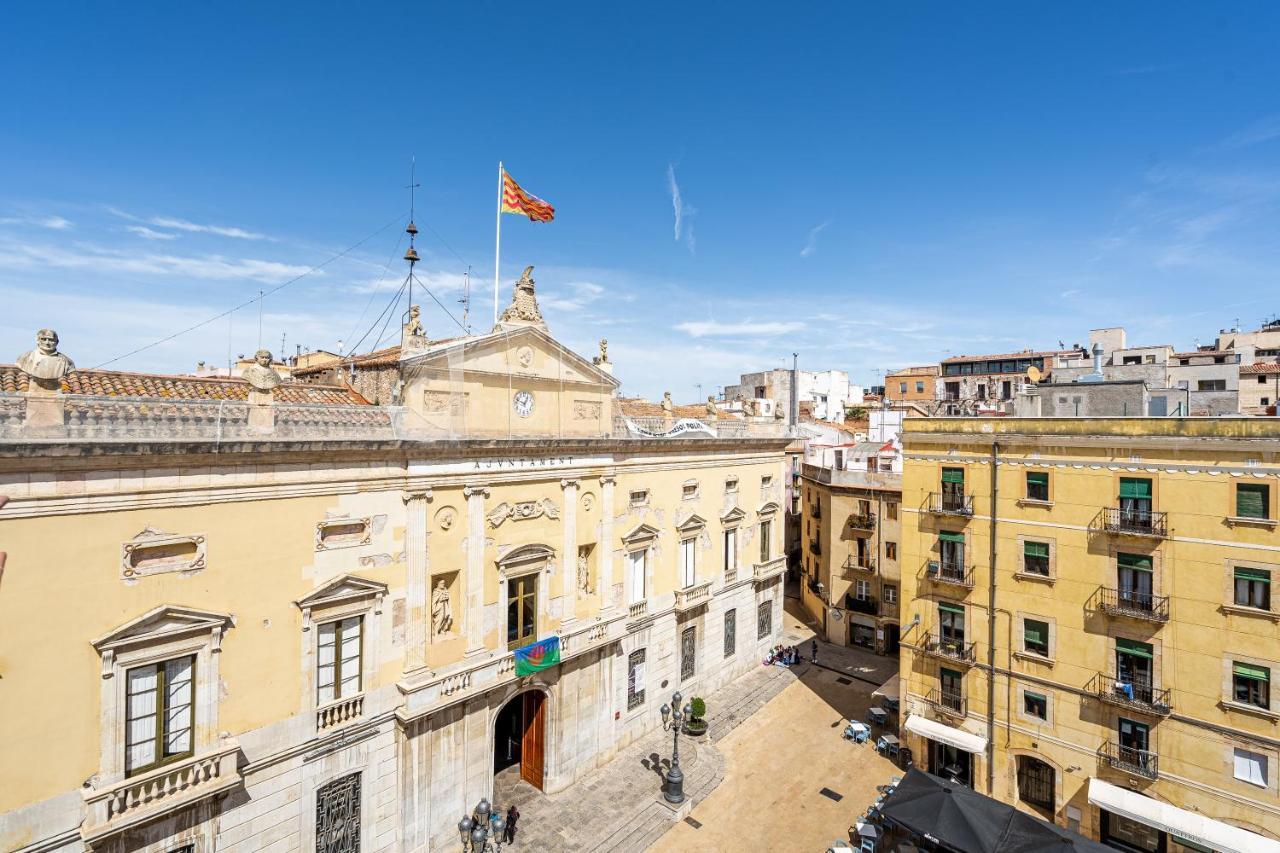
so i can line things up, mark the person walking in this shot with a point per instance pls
(813, 650)
(513, 815)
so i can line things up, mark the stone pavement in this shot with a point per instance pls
(851, 661)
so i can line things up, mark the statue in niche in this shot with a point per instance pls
(584, 571)
(44, 364)
(441, 609)
(260, 375)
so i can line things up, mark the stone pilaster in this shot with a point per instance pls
(475, 496)
(606, 542)
(417, 581)
(569, 558)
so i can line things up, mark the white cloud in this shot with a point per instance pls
(149, 233)
(683, 212)
(579, 295)
(811, 243)
(220, 230)
(215, 267)
(53, 223)
(713, 328)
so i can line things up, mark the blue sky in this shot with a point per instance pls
(870, 185)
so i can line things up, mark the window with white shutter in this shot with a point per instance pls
(1251, 767)
(159, 713)
(338, 659)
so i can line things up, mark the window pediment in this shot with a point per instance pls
(769, 508)
(640, 533)
(343, 590)
(732, 516)
(163, 623)
(692, 524)
(523, 555)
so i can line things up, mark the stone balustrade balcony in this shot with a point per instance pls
(693, 596)
(769, 569)
(339, 712)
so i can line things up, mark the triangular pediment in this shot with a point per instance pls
(692, 523)
(731, 515)
(641, 532)
(162, 623)
(527, 351)
(343, 589)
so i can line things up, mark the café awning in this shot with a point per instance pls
(934, 730)
(889, 690)
(1168, 818)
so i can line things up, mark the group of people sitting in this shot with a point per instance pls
(782, 656)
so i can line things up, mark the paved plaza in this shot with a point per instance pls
(755, 781)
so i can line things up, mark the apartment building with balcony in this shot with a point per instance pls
(1090, 629)
(973, 384)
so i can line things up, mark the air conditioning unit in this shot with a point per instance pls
(934, 568)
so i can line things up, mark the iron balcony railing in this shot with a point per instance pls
(814, 548)
(816, 511)
(950, 571)
(949, 648)
(1134, 604)
(1139, 762)
(947, 701)
(855, 563)
(863, 605)
(942, 503)
(1136, 694)
(858, 521)
(1134, 522)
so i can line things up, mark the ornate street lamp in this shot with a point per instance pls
(673, 791)
(482, 834)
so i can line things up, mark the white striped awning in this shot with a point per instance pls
(1195, 827)
(934, 730)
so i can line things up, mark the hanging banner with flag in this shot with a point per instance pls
(516, 200)
(537, 656)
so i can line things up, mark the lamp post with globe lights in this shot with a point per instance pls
(482, 834)
(673, 791)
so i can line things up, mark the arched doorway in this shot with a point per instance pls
(519, 737)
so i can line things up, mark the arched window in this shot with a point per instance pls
(1035, 782)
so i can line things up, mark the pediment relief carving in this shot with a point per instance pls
(691, 524)
(348, 589)
(732, 515)
(640, 533)
(523, 555)
(769, 508)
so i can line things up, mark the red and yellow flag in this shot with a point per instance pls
(516, 200)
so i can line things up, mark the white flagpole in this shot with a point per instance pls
(497, 245)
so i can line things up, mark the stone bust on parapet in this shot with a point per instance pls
(260, 375)
(45, 366)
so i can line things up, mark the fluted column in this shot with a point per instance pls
(475, 496)
(569, 559)
(418, 577)
(606, 542)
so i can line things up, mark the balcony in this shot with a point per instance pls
(949, 702)
(1137, 695)
(855, 563)
(814, 548)
(1131, 522)
(769, 569)
(949, 649)
(862, 605)
(889, 609)
(340, 712)
(138, 799)
(1137, 762)
(693, 596)
(865, 523)
(637, 610)
(950, 572)
(1135, 605)
(945, 504)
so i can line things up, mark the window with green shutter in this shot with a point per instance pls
(1136, 562)
(947, 607)
(953, 475)
(1135, 487)
(1037, 486)
(948, 536)
(1251, 684)
(1035, 637)
(1252, 500)
(1035, 558)
(1134, 647)
(1252, 588)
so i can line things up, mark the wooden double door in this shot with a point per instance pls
(533, 739)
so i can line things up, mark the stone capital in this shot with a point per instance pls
(570, 483)
(608, 479)
(482, 491)
(416, 494)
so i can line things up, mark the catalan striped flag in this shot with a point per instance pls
(516, 200)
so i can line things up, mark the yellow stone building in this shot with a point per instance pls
(1117, 671)
(245, 614)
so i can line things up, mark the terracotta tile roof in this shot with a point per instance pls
(638, 407)
(1010, 355)
(115, 383)
(1260, 367)
(378, 358)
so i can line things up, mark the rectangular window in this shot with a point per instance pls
(766, 534)
(764, 620)
(158, 713)
(919, 387)
(862, 590)
(1251, 767)
(1251, 684)
(689, 491)
(639, 496)
(1253, 588)
(688, 652)
(730, 632)
(1253, 500)
(1135, 581)
(1035, 558)
(1211, 385)
(730, 550)
(1035, 637)
(951, 624)
(731, 484)
(902, 387)
(636, 568)
(890, 593)
(891, 550)
(891, 510)
(951, 689)
(635, 679)
(688, 562)
(1035, 705)
(1037, 486)
(522, 611)
(953, 476)
(338, 652)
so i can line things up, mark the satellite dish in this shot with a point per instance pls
(1033, 374)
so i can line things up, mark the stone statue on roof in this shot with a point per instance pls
(44, 365)
(712, 411)
(667, 405)
(523, 310)
(260, 375)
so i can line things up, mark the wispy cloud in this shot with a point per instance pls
(214, 267)
(53, 223)
(150, 233)
(713, 328)
(1262, 131)
(1141, 70)
(811, 242)
(683, 212)
(575, 296)
(177, 224)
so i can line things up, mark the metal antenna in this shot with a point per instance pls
(411, 255)
(465, 301)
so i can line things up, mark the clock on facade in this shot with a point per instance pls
(522, 402)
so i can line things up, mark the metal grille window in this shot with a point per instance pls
(635, 680)
(338, 659)
(764, 620)
(158, 716)
(730, 633)
(688, 652)
(338, 816)
(1035, 782)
